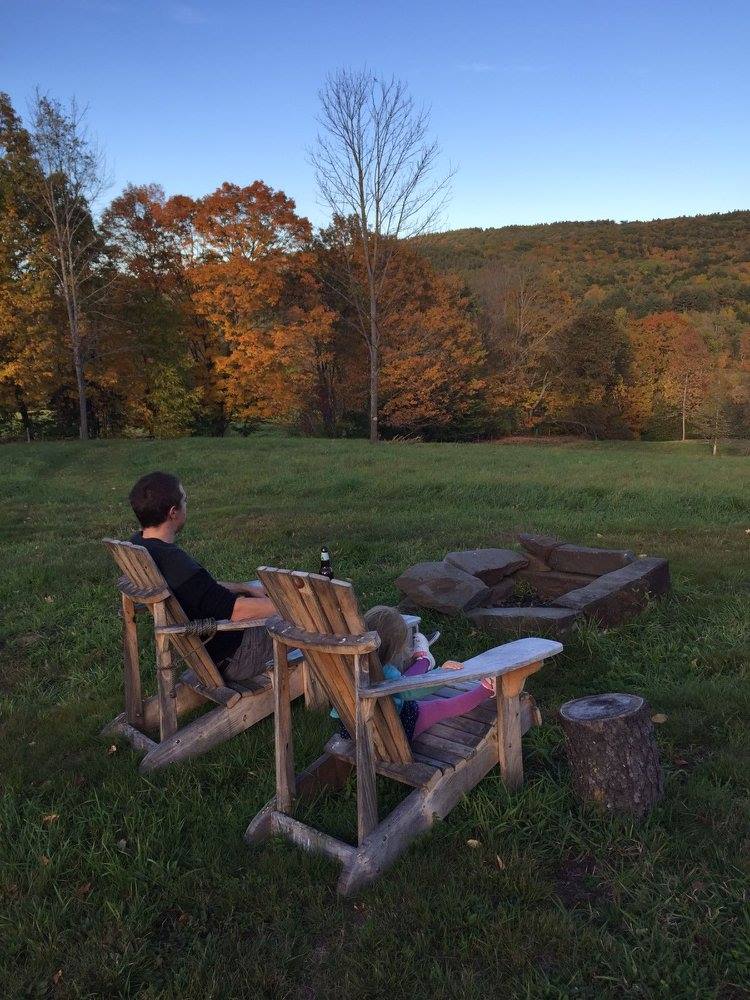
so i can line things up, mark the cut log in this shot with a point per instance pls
(612, 751)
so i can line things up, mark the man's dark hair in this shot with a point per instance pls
(153, 496)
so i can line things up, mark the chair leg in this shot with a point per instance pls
(510, 758)
(131, 665)
(283, 730)
(367, 798)
(166, 677)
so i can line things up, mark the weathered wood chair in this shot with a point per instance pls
(321, 617)
(238, 706)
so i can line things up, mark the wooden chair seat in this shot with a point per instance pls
(322, 617)
(443, 745)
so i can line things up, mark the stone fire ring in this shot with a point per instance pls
(567, 583)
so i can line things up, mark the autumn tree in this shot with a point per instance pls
(670, 365)
(433, 357)
(375, 165)
(725, 409)
(147, 343)
(71, 178)
(595, 368)
(28, 354)
(431, 351)
(520, 308)
(253, 285)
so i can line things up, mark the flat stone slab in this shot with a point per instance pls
(500, 593)
(442, 587)
(584, 559)
(525, 621)
(490, 565)
(616, 597)
(539, 545)
(536, 564)
(551, 584)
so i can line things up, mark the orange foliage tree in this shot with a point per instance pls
(253, 287)
(670, 362)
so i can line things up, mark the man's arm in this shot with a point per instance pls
(251, 589)
(252, 607)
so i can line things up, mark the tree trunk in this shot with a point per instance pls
(684, 407)
(75, 344)
(83, 418)
(374, 373)
(25, 419)
(612, 752)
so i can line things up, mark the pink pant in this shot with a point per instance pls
(433, 710)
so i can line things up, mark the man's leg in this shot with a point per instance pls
(252, 656)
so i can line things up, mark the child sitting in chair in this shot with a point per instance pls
(402, 657)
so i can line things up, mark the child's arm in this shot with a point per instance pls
(420, 665)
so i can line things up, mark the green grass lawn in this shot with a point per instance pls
(112, 884)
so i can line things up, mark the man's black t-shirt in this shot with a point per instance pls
(200, 595)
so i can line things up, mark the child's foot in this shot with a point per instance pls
(491, 684)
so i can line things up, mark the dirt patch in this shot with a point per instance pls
(560, 439)
(578, 883)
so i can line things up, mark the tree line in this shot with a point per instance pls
(166, 316)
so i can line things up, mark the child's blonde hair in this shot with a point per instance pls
(393, 632)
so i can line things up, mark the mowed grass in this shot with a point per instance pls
(113, 884)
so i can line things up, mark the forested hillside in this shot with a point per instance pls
(696, 263)
(611, 329)
(166, 316)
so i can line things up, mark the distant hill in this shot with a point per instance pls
(689, 263)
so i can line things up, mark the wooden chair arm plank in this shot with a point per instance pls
(349, 645)
(494, 662)
(220, 694)
(223, 625)
(143, 595)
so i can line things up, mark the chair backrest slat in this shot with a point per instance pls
(317, 604)
(353, 621)
(329, 669)
(137, 565)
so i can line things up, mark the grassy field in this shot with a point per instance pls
(112, 884)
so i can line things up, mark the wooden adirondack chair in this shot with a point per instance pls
(321, 617)
(238, 706)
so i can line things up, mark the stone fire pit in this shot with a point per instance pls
(544, 589)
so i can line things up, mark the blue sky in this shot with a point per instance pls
(549, 110)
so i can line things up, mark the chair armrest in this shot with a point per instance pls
(224, 625)
(500, 660)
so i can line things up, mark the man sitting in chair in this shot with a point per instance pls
(160, 504)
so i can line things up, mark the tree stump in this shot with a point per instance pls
(612, 752)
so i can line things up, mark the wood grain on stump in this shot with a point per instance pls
(612, 752)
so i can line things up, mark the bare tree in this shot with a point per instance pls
(72, 178)
(375, 165)
(519, 317)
